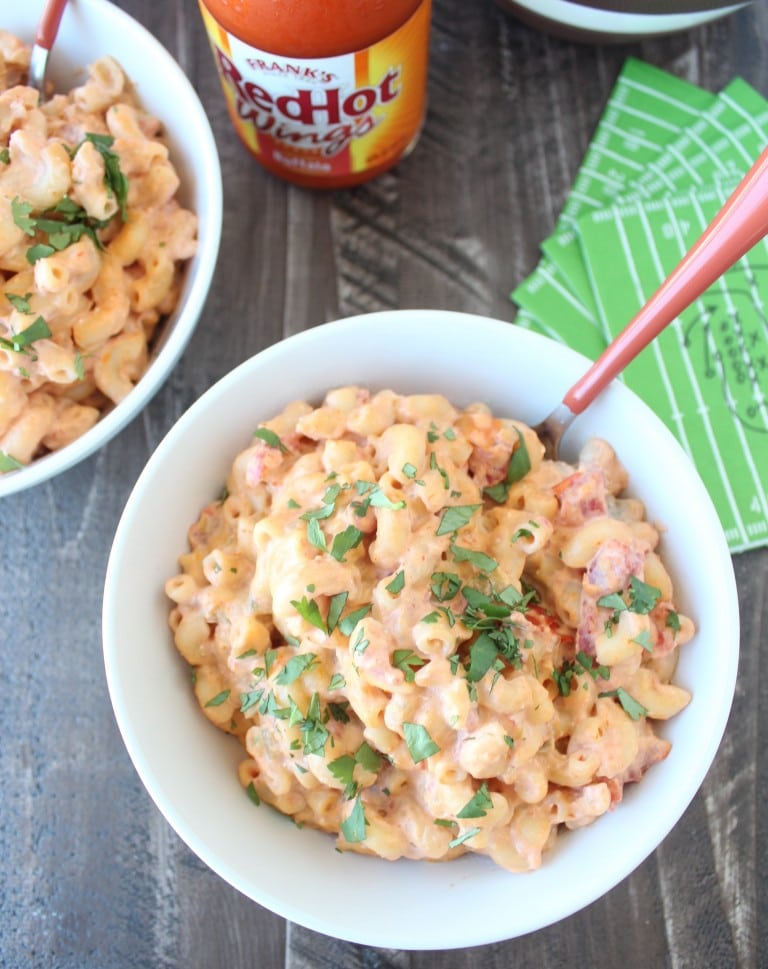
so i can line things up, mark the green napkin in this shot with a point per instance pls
(665, 156)
(706, 375)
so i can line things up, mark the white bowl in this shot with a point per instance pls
(189, 767)
(620, 19)
(91, 29)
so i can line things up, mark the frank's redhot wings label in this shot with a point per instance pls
(330, 116)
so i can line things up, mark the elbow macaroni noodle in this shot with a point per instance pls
(429, 639)
(77, 321)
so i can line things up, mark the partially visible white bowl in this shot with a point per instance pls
(189, 768)
(91, 29)
(614, 20)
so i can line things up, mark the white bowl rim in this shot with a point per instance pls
(442, 932)
(175, 338)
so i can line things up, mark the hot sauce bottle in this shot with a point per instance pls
(324, 93)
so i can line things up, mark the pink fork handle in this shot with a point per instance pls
(738, 226)
(48, 25)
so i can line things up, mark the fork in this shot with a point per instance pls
(740, 224)
(45, 35)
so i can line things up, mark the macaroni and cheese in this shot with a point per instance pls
(429, 639)
(92, 240)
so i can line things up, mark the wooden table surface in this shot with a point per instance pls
(92, 876)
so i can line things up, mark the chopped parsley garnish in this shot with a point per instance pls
(253, 794)
(434, 466)
(296, 667)
(315, 535)
(63, 224)
(216, 701)
(314, 735)
(115, 180)
(337, 682)
(353, 828)
(455, 517)
(420, 744)
(249, 700)
(407, 661)
(345, 541)
(309, 610)
(478, 560)
(348, 623)
(373, 496)
(19, 342)
(463, 837)
(335, 609)
(270, 438)
(642, 599)
(444, 585)
(9, 463)
(632, 708)
(328, 505)
(20, 303)
(644, 639)
(575, 667)
(478, 806)
(397, 584)
(518, 467)
(490, 615)
(672, 621)
(343, 769)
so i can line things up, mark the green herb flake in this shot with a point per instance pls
(632, 708)
(368, 759)
(518, 467)
(463, 837)
(478, 806)
(253, 794)
(335, 608)
(343, 769)
(478, 560)
(643, 597)
(249, 700)
(521, 533)
(345, 541)
(644, 639)
(9, 463)
(444, 585)
(672, 621)
(20, 303)
(482, 654)
(315, 535)
(270, 657)
(348, 623)
(353, 828)
(309, 610)
(296, 667)
(18, 342)
(337, 682)
(455, 517)
(407, 661)
(420, 744)
(220, 698)
(270, 438)
(397, 584)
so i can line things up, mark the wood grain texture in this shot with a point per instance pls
(92, 876)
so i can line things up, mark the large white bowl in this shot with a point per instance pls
(91, 29)
(189, 768)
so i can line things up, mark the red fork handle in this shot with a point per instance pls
(740, 224)
(48, 25)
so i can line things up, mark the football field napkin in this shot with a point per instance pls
(665, 157)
